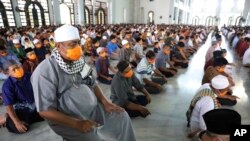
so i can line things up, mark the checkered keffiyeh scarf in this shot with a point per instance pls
(72, 68)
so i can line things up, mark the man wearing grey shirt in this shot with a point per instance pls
(122, 93)
(68, 98)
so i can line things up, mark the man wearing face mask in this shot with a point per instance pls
(67, 96)
(122, 92)
(19, 99)
(18, 49)
(31, 61)
(40, 50)
(204, 101)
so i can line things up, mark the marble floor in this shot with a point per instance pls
(167, 121)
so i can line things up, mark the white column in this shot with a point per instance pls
(110, 9)
(93, 11)
(76, 5)
(218, 11)
(171, 12)
(246, 9)
(51, 13)
(56, 12)
(81, 12)
(16, 13)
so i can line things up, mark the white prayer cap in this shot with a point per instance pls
(85, 36)
(16, 41)
(156, 32)
(148, 34)
(99, 49)
(104, 37)
(220, 82)
(66, 33)
(124, 42)
(36, 41)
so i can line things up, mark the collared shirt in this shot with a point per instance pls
(102, 66)
(121, 89)
(161, 60)
(138, 49)
(10, 56)
(144, 70)
(125, 54)
(112, 47)
(18, 91)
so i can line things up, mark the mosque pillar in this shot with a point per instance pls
(217, 13)
(56, 12)
(16, 13)
(81, 4)
(93, 4)
(246, 9)
(51, 17)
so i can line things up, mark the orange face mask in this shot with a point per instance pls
(4, 54)
(221, 70)
(17, 46)
(39, 45)
(128, 74)
(32, 57)
(151, 61)
(19, 73)
(103, 54)
(127, 46)
(74, 54)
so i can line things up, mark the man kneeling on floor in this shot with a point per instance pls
(144, 70)
(204, 101)
(122, 92)
(19, 99)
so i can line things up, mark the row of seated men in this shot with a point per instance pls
(62, 88)
(215, 93)
(238, 38)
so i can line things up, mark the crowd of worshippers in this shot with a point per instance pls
(216, 90)
(239, 41)
(43, 70)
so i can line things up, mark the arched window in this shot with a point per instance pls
(195, 20)
(150, 17)
(33, 12)
(70, 6)
(89, 7)
(87, 15)
(6, 14)
(238, 21)
(65, 14)
(35, 15)
(230, 21)
(209, 21)
(100, 16)
(100, 13)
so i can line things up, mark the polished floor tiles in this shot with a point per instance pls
(167, 121)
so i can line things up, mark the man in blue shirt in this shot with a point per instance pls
(113, 49)
(161, 61)
(6, 55)
(18, 98)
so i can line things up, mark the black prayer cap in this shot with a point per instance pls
(181, 44)
(247, 39)
(220, 121)
(27, 50)
(122, 65)
(217, 54)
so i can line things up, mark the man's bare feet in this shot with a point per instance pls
(2, 121)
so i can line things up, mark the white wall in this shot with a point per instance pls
(159, 7)
(118, 9)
